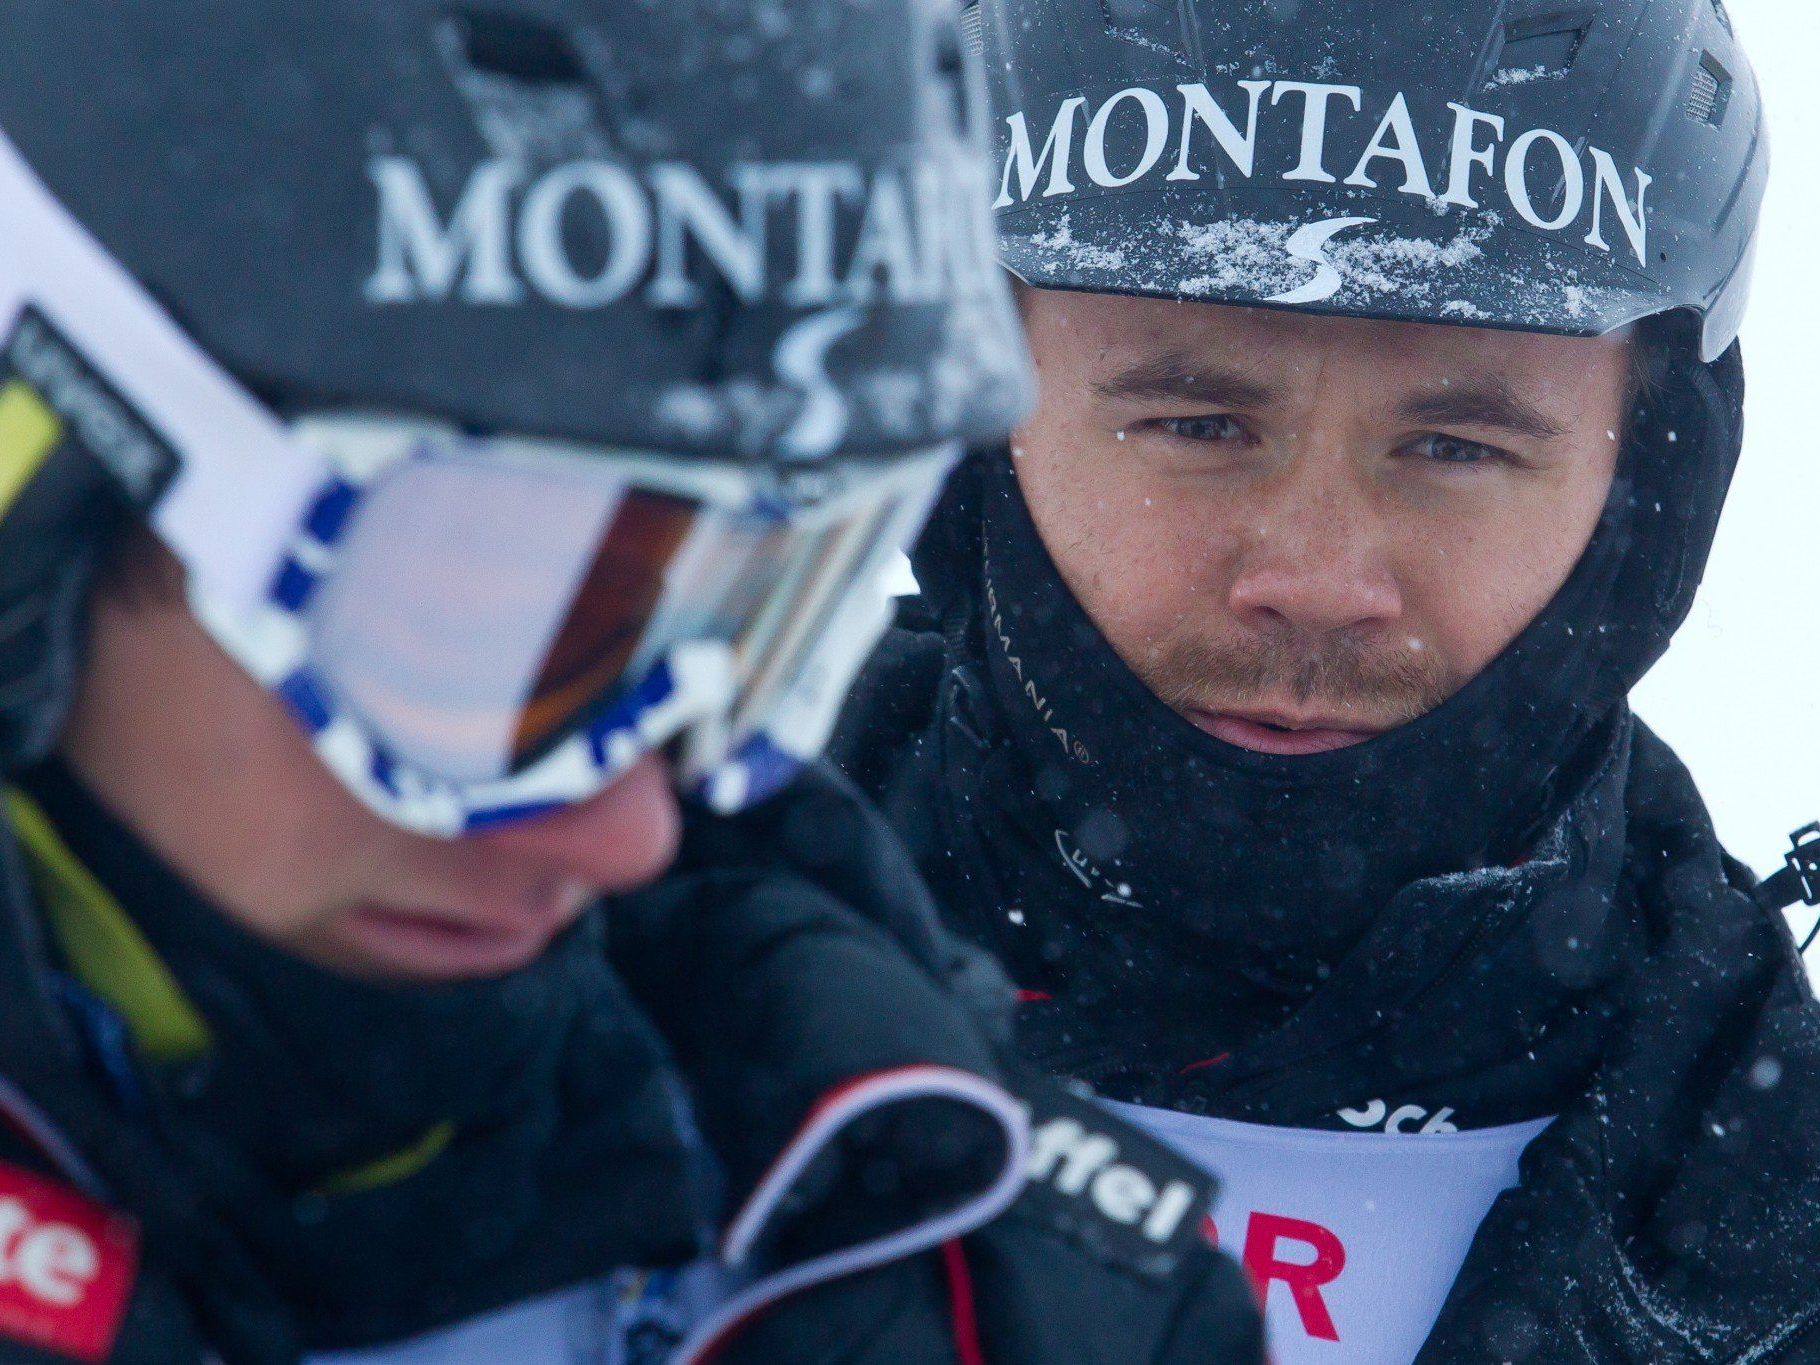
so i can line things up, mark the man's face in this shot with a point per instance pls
(1302, 531)
(212, 772)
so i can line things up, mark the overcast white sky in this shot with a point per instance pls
(1738, 695)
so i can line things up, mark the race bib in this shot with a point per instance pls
(1352, 1239)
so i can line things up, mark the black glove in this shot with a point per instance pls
(839, 1046)
(1102, 1261)
(795, 962)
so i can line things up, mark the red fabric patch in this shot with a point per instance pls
(67, 1265)
(962, 1313)
(1204, 1063)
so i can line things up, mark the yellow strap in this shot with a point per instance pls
(104, 947)
(389, 1170)
(29, 432)
(112, 958)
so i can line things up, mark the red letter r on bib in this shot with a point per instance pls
(1304, 1278)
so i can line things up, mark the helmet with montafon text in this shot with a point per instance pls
(522, 387)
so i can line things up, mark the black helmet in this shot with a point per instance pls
(1542, 166)
(571, 218)
(621, 289)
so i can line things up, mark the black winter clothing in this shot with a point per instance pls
(1619, 976)
(235, 1163)
(289, 1202)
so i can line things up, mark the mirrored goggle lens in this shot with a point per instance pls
(482, 610)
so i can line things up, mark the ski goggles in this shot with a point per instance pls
(476, 630)
(470, 630)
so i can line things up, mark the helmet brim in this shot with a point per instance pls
(1382, 259)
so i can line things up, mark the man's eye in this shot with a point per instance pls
(1216, 428)
(1454, 450)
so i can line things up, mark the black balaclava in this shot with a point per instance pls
(1279, 863)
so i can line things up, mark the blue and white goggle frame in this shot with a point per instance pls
(748, 713)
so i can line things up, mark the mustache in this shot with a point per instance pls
(1384, 686)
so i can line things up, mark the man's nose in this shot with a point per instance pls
(618, 840)
(1315, 558)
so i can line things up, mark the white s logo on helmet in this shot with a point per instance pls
(1309, 243)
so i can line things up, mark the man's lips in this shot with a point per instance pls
(1275, 733)
(434, 945)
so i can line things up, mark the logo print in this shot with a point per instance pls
(1089, 876)
(801, 359)
(1376, 1114)
(56, 393)
(1309, 243)
(67, 1267)
(1079, 1162)
(1205, 136)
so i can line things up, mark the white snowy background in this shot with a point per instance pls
(1738, 695)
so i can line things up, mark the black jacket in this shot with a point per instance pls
(1622, 978)
(284, 1192)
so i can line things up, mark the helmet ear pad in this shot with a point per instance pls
(54, 541)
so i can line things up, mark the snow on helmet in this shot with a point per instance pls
(522, 385)
(1541, 166)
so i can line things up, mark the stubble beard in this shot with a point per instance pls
(1342, 676)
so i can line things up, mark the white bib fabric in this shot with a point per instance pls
(1353, 1238)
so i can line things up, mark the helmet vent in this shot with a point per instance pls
(1540, 46)
(525, 86)
(973, 31)
(520, 49)
(1710, 92)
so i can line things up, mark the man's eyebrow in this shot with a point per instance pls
(1175, 377)
(1484, 401)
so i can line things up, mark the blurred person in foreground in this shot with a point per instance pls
(447, 457)
(1264, 707)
